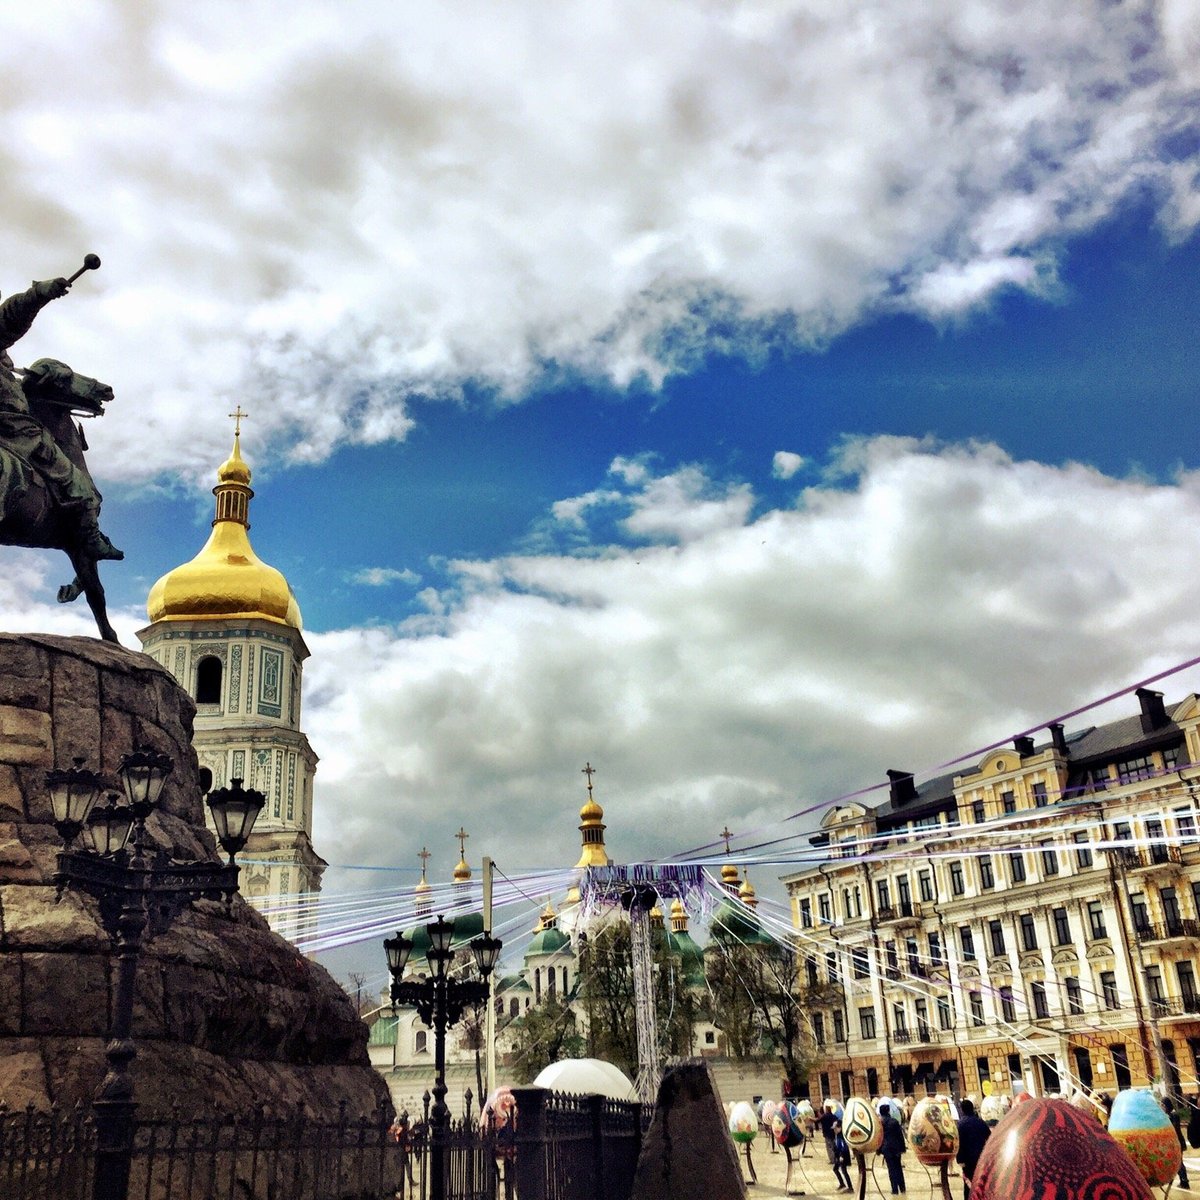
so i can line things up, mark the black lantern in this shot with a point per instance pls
(108, 826)
(144, 772)
(441, 934)
(73, 792)
(234, 811)
(486, 950)
(397, 950)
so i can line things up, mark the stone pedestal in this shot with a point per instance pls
(229, 1015)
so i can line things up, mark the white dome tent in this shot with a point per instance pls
(587, 1077)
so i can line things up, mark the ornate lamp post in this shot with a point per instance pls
(138, 889)
(439, 1001)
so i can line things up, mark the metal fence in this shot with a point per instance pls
(563, 1148)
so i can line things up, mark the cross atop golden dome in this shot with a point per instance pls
(591, 827)
(729, 873)
(463, 871)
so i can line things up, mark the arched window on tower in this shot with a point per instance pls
(422, 1042)
(208, 680)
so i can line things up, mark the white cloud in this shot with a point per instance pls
(383, 576)
(785, 464)
(331, 216)
(938, 597)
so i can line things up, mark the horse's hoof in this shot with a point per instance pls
(68, 592)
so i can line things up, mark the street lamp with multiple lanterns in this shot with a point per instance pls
(440, 1001)
(138, 889)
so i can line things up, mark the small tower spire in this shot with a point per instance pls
(729, 873)
(591, 828)
(422, 890)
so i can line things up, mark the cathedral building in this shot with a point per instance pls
(228, 627)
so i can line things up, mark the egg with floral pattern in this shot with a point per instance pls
(1141, 1128)
(932, 1132)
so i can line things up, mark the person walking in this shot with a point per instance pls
(827, 1122)
(841, 1159)
(892, 1149)
(973, 1133)
(1169, 1109)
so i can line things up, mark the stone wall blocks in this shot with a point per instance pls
(65, 994)
(23, 1074)
(34, 921)
(76, 729)
(25, 735)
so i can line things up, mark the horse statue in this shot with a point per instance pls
(47, 497)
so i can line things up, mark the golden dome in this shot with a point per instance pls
(729, 877)
(548, 918)
(462, 872)
(679, 917)
(747, 893)
(226, 579)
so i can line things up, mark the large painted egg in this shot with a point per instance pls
(1047, 1148)
(766, 1110)
(743, 1123)
(1141, 1128)
(805, 1110)
(991, 1109)
(861, 1126)
(932, 1132)
(785, 1126)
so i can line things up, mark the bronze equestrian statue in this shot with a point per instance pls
(47, 497)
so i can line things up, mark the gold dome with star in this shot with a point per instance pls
(226, 579)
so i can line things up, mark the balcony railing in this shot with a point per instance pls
(1176, 1006)
(906, 910)
(1165, 931)
(1159, 855)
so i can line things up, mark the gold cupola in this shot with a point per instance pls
(462, 873)
(746, 892)
(730, 880)
(548, 919)
(226, 579)
(591, 828)
(679, 916)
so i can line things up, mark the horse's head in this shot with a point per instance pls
(53, 382)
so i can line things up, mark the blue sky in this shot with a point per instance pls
(746, 399)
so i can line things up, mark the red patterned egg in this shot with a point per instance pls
(861, 1126)
(1048, 1148)
(932, 1132)
(1141, 1128)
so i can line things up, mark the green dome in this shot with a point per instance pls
(732, 922)
(546, 941)
(691, 957)
(466, 927)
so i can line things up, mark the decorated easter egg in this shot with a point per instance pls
(743, 1123)
(1141, 1128)
(990, 1108)
(932, 1132)
(786, 1126)
(1048, 1148)
(861, 1126)
(766, 1111)
(805, 1110)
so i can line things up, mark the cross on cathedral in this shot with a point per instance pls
(424, 855)
(726, 834)
(238, 416)
(462, 836)
(589, 771)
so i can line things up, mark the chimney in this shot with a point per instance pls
(1024, 745)
(1154, 712)
(902, 787)
(1058, 739)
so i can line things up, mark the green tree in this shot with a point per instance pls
(752, 999)
(606, 992)
(544, 1035)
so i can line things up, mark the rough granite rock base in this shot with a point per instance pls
(687, 1151)
(228, 1016)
